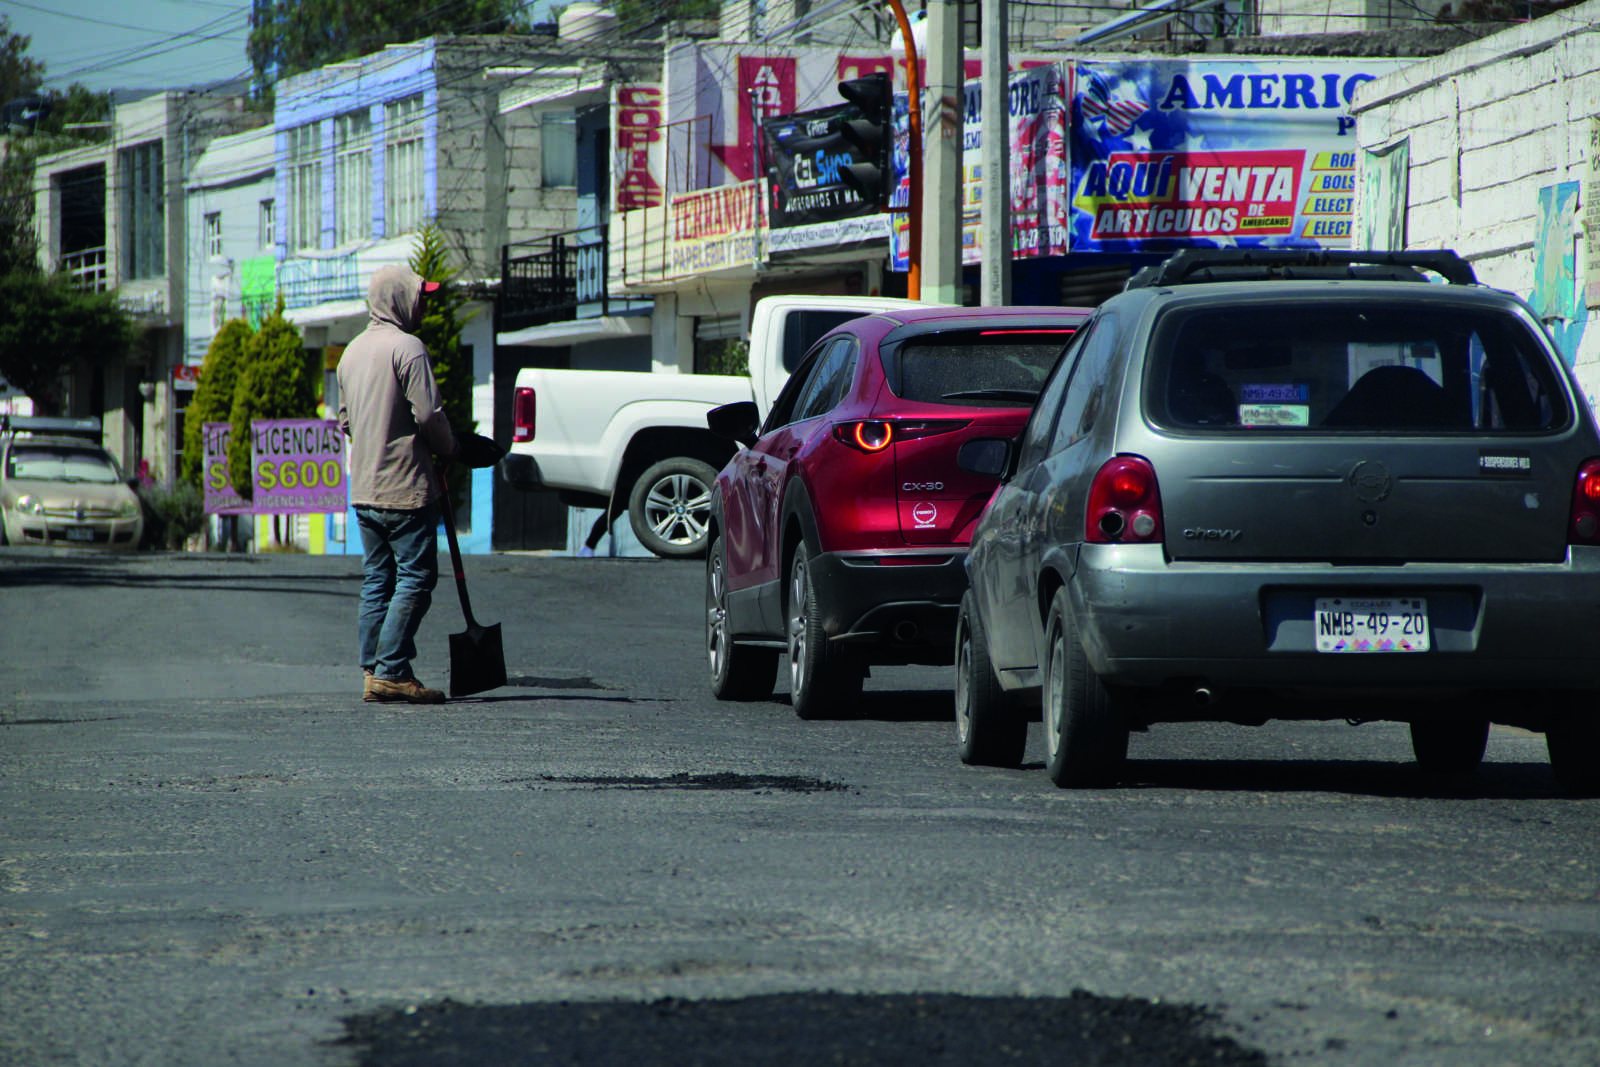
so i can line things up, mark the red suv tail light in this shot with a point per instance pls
(1124, 503)
(523, 408)
(875, 435)
(1584, 526)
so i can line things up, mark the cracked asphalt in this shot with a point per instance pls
(213, 852)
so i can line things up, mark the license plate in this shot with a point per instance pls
(80, 533)
(1372, 624)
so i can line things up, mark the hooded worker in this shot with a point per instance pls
(389, 407)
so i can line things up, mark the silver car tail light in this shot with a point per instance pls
(1124, 503)
(524, 406)
(1584, 526)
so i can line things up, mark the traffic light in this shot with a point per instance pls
(870, 137)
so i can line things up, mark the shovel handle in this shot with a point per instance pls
(455, 551)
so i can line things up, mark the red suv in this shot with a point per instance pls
(839, 533)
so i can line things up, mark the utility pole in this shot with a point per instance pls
(914, 152)
(994, 234)
(941, 201)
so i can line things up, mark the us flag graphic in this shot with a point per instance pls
(1098, 105)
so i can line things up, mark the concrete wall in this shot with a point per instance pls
(1280, 17)
(1488, 127)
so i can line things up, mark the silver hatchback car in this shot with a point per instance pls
(1285, 484)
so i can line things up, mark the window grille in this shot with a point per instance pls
(352, 177)
(403, 187)
(143, 212)
(558, 148)
(305, 187)
(214, 234)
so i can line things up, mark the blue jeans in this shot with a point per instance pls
(400, 569)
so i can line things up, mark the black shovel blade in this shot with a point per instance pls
(477, 662)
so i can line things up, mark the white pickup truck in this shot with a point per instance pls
(639, 436)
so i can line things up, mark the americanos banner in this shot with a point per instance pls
(1227, 153)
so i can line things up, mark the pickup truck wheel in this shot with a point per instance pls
(989, 730)
(1085, 726)
(670, 507)
(824, 681)
(738, 672)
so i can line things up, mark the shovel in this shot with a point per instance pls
(477, 662)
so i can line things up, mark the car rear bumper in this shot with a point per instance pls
(902, 602)
(1147, 622)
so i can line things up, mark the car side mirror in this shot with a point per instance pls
(988, 456)
(738, 421)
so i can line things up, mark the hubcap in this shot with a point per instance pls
(677, 509)
(1054, 688)
(716, 619)
(799, 608)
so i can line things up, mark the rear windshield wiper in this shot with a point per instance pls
(1027, 396)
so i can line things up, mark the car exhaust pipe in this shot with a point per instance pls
(1202, 695)
(905, 630)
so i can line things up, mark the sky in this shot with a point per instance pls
(142, 44)
(134, 44)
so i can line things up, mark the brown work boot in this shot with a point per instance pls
(366, 686)
(409, 690)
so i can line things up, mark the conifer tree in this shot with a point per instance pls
(275, 383)
(440, 331)
(213, 397)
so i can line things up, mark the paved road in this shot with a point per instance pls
(212, 852)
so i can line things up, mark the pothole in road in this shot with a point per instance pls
(913, 1030)
(718, 780)
(531, 681)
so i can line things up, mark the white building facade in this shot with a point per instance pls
(111, 215)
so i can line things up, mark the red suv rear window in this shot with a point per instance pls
(999, 366)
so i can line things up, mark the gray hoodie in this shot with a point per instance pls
(389, 404)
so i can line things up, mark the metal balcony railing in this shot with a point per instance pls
(551, 278)
(306, 282)
(87, 269)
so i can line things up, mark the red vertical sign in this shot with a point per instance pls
(639, 147)
(766, 89)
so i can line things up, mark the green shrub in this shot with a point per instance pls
(173, 513)
(275, 382)
(732, 358)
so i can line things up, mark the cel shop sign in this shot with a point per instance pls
(806, 158)
(297, 468)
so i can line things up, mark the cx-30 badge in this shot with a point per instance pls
(1371, 481)
(924, 514)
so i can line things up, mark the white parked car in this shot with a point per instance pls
(59, 487)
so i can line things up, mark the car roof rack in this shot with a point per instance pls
(1194, 265)
(51, 426)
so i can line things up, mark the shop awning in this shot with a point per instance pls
(577, 331)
